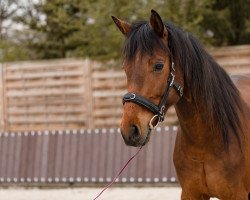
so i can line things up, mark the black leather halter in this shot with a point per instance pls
(158, 110)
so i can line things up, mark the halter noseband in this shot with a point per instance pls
(159, 110)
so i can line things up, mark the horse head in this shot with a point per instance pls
(151, 76)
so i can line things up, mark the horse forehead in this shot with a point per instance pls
(137, 74)
(136, 66)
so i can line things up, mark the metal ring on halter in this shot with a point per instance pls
(151, 126)
(133, 96)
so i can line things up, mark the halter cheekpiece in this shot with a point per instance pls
(158, 110)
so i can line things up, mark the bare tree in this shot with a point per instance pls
(8, 9)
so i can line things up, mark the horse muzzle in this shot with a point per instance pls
(134, 137)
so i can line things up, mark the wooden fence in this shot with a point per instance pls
(45, 95)
(84, 156)
(75, 94)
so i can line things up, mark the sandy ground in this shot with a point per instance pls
(171, 193)
(127, 193)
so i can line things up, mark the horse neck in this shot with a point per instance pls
(194, 130)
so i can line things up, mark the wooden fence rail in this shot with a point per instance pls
(84, 156)
(75, 94)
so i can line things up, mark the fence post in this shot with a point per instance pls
(2, 99)
(88, 94)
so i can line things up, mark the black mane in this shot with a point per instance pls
(142, 39)
(211, 88)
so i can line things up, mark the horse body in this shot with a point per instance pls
(212, 150)
(204, 167)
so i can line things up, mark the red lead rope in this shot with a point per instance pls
(114, 179)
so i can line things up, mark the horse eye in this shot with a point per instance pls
(158, 66)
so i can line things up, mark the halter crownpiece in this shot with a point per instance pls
(157, 110)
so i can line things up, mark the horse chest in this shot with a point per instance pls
(206, 173)
(191, 173)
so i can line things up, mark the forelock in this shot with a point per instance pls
(142, 40)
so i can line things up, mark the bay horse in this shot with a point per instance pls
(166, 66)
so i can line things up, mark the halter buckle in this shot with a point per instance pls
(172, 79)
(172, 66)
(180, 89)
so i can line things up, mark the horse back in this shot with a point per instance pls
(242, 82)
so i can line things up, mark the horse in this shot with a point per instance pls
(166, 66)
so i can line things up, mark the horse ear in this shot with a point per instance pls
(124, 27)
(157, 24)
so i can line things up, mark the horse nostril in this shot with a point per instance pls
(134, 131)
